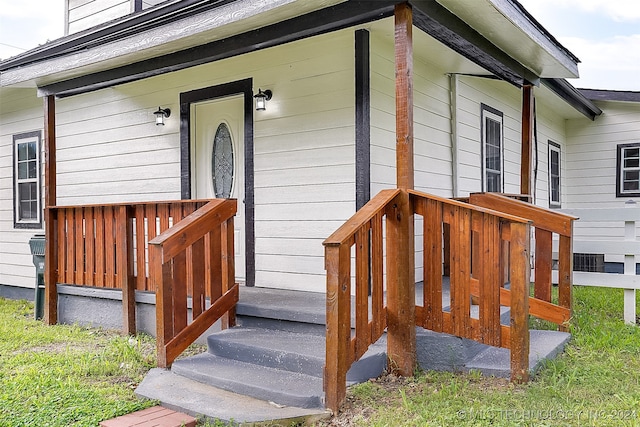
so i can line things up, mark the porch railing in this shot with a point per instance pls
(546, 223)
(466, 227)
(107, 246)
(477, 260)
(197, 255)
(362, 235)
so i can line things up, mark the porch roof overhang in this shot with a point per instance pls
(180, 34)
(574, 97)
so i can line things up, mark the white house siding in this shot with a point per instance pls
(83, 14)
(20, 112)
(109, 150)
(432, 127)
(591, 166)
(473, 91)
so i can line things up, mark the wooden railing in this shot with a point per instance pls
(196, 255)
(107, 246)
(546, 223)
(477, 260)
(365, 231)
(475, 236)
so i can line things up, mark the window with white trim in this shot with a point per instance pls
(492, 149)
(554, 174)
(27, 200)
(628, 170)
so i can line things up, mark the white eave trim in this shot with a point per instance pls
(229, 19)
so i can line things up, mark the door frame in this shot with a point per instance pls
(240, 87)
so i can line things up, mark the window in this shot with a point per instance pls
(554, 174)
(628, 170)
(492, 146)
(27, 209)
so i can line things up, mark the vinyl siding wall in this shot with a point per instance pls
(432, 128)
(109, 150)
(591, 166)
(83, 14)
(20, 112)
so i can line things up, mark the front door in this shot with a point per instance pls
(218, 161)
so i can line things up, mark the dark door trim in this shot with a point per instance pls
(245, 88)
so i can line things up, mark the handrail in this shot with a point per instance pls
(553, 221)
(546, 222)
(199, 250)
(364, 230)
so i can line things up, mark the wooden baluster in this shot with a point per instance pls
(544, 250)
(363, 337)
(79, 250)
(110, 250)
(338, 266)
(214, 260)
(198, 270)
(179, 292)
(89, 247)
(377, 278)
(433, 265)
(520, 276)
(141, 259)
(565, 274)
(100, 246)
(228, 268)
(490, 280)
(61, 250)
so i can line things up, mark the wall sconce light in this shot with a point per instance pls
(262, 98)
(161, 114)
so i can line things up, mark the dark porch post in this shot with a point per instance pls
(401, 334)
(50, 254)
(526, 165)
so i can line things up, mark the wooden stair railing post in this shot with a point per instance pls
(520, 281)
(401, 307)
(338, 266)
(50, 186)
(124, 265)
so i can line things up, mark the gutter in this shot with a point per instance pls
(573, 97)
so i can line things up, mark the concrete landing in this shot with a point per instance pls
(197, 399)
(444, 352)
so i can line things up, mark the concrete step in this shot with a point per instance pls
(202, 400)
(261, 382)
(291, 351)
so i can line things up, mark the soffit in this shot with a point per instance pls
(507, 25)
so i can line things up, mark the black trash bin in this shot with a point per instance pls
(36, 243)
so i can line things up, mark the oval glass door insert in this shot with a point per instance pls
(222, 162)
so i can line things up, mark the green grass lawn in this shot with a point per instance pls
(595, 382)
(66, 375)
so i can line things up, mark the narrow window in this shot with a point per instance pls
(554, 174)
(27, 201)
(492, 147)
(628, 170)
